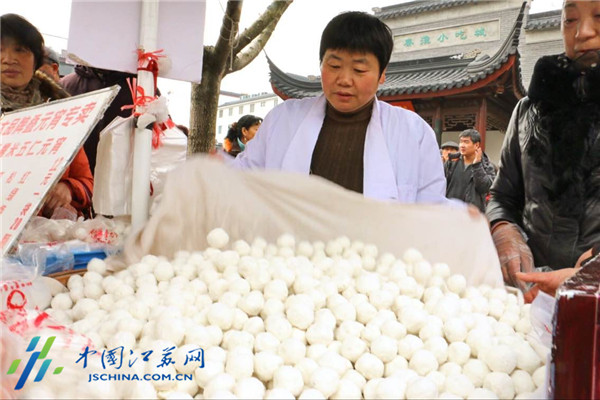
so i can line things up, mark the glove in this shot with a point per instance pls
(514, 254)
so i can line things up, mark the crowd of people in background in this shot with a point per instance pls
(542, 201)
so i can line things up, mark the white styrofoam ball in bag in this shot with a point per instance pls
(433, 327)
(522, 381)
(84, 307)
(292, 351)
(249, 388)
(279, 394)
(93, 291)
(476, 370)
(370, 388)
(240, 363)
(220, 384)
(459, 384)
(365, 312)
(481, 393)
(450, 369)
(527, 358)
(408, 345)
(311, 394)
(347, 390)
(501, 384)
(217, 238)
(61, 301)
(97, 265)
(300, 315)
(235, 338)
(447, 307)
(455, 330)
(438, 378)
(423, 362)
(459, 352)
(392, 387)
(319, 334)
(221, 315)
(332, 359)
(352, 348)
(422, 272)
(500, 358)
(385, 348)
(412, 256)
(393, 329)
(163, 271)
(539, 376)
(325, 380)
(277, 289)
(456, 283)
(369, 366)
(265, 365)
(252, 303)
(289, 378)
(441, 269)
(413, 319)
(421, 388)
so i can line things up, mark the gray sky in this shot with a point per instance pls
(293, 47)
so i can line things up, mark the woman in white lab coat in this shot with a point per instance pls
(346, 135)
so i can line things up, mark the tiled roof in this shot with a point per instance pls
(419, 6)
(545, 20)
(416, 76)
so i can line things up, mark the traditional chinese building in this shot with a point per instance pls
(457, 63)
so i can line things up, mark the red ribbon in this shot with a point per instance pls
(158, 130)
(138, 96)
(148, 61)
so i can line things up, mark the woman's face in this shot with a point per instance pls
(248, 133)
(17, 62)
(581, 28)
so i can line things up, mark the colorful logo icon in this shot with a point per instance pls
(35, 355)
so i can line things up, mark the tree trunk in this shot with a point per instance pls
(233, 50)
(203, 118)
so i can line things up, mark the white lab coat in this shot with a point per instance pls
(401, 158)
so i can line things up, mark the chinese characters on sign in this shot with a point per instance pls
(36, 145)
(451, 36)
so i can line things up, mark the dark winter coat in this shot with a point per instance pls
(480, 177)
(86, 79)
(549, 177)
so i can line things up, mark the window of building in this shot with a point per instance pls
(241, 110)
(274, 102)
(219, 130)
(262, 103)
(231, 111)
(220, 113)
(251, 107)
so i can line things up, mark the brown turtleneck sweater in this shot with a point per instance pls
(339, 151)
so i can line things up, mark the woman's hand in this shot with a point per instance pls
(59, 196)
(547, 282)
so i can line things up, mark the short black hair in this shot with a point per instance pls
(24, 33)
(358, 31)
(472, 134)
(235, 130)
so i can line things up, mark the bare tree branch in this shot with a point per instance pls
(244, 58)
(229, 30)
(272, 13)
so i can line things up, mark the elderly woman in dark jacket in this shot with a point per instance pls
(546, 197)
(22, 53)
